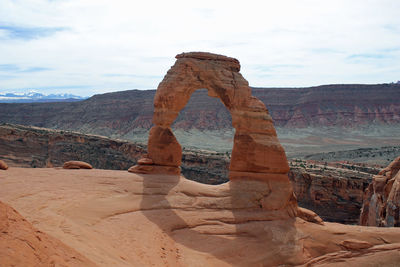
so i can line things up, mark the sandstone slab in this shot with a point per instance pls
(154, 169)
(74, 164)
(128, 219)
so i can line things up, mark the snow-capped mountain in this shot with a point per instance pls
(34, 96)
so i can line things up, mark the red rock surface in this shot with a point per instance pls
(381, 206)
(23, 245)
(116, 218)
(3, 165)
(75, 164)
(145, 161)
(154, 169)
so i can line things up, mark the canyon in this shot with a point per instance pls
(308, 120)
(349, 105)
(333, 190)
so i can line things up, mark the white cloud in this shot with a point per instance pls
(117, 45)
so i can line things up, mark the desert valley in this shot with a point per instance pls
(205, 171)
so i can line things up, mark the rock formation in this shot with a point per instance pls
(3, 165)
(76, 164)
(256, 154)
(117, 218)
(23, 245)
(334, 193)
(381, 206)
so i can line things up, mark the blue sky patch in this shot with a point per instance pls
(28, 33)
(367, 56)
(12, 68)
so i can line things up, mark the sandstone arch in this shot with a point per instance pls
(257, 153)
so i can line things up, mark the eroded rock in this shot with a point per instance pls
(163, 148)
(309, 216)
(381, 205)
(257, 154)
(77, 165)
(129, 219)
(256, 147)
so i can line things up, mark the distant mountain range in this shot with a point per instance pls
(308, 120)
(348, 105)
(34, 96)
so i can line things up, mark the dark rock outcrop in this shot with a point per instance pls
(37, 147)
(335, 194)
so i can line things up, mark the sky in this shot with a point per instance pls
(86, 47)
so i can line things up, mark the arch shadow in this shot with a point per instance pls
(226, 221)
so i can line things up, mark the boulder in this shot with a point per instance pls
(309, 216)
(77, 165)
(3, 165)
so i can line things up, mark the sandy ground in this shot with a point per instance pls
(116, 218)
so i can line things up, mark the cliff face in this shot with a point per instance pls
(335, 194)
(37, 147)
(333, 105)
(124, 113)
(381, 206)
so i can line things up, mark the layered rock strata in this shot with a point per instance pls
(336, 194)
(381, 206)
(36, 147)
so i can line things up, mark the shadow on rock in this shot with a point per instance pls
(227, 221)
